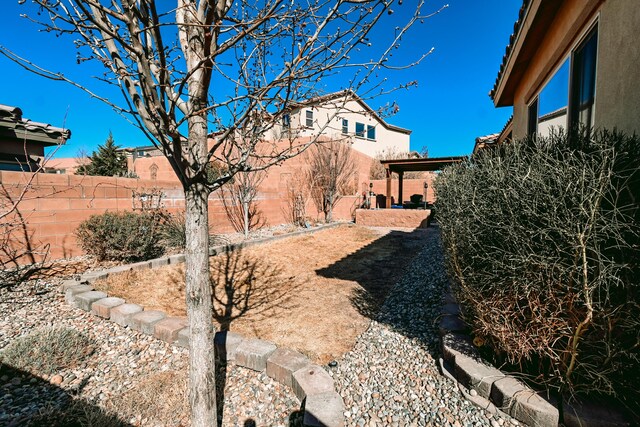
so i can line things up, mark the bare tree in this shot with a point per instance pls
(331, 175)
(377, 170)
(239, 201)
(296, 197)
(205, 80)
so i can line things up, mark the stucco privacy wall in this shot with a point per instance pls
(54, 206)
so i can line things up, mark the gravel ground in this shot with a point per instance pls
(122, 358)
(391, 376)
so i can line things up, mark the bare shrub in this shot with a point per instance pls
(542, 240)
(331, 174)
(376, 171)
(298, 192)
(239, 200)
(47, 350)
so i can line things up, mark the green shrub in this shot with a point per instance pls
(122, 236)
(542, 241)
(47, 350)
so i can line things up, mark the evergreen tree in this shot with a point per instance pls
(106, 161)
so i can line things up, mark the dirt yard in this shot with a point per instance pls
(313, 293)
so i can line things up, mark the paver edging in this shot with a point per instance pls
(490, 389)
(329, 400)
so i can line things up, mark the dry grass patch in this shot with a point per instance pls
(47, 350)
(160, 399)
(313, 293)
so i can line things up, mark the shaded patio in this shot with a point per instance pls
(406, 214)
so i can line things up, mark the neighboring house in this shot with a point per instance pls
(571, 62)
(343, 116)
(22, 141)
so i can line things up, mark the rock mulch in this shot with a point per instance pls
(123, 357)
(391, 377)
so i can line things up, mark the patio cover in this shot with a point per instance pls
(401, 166)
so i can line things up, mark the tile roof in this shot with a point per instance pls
(12, 116)
(505, 59)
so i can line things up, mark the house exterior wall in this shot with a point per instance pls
(327, 119)
(617, 98)
(617, 89)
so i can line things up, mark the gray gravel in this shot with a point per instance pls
(123, 358)
(391, 376)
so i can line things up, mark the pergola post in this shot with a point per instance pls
(388, 172)
(400, 176)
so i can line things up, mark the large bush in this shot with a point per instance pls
(123, 236)
(542, 240)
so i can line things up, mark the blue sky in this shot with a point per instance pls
(446, 111)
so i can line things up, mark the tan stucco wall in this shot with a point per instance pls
(568, 27)
(617, 84)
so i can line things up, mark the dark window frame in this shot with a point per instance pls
(582, 83)
(345, 126)
(309, 118)
(360, 129)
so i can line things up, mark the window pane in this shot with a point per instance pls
(553, 101)
(583, 89)
(345, 126)
(360, 129)
(286, 121)
(371, 132)
(309, 122)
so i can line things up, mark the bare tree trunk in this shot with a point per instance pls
(202, 397)
(245, 211)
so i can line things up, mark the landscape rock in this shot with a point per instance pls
(122, 314)
(253, 354)
(104, 306)
(283, 363)
(145, 321)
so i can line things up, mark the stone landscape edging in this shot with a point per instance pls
(495, 391)
(314, 387)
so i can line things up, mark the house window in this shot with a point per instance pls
(360, 129)
(371, 132)
(345, 126)
(553, 101)
(286, 121)
(309, 118)
(583, 81)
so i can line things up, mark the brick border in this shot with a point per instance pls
(321, 404)
(499, 393)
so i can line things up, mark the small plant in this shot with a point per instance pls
(173, 231)
(123, 236)
(46, 351)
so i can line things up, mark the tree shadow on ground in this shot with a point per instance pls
(377, 267)
(246, 286)
(242, 286)
(28, 400)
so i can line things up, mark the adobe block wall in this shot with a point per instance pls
(401, 218)
(52, 206)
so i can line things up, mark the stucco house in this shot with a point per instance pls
(571, 62)
(22, 141)
(344, 116)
